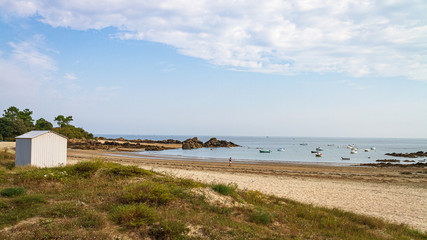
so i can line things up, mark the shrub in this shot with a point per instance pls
(149, 192)
(223, 189)
(133, 215)
(86, 169)
(168, 230)
(254, 197)
(12, 192)
(260, 216)
(118, 170)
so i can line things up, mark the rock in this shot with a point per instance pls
(192, 143)
(213, 142)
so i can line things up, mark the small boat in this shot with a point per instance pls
(318, 155)
(373, 148)
(303, 144)
(265, 151)
(367, 150)
(345, 158)
(281, 149)
(314, 152)
(354, 151)
(319, 149)
(330, 145)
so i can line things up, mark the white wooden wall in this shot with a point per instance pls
(49, 150)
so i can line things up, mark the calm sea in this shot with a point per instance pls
(333, 149)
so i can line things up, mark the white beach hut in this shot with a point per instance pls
(41, 149)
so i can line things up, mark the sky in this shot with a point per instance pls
(316, 68)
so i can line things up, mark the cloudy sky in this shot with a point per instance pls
(349, 68)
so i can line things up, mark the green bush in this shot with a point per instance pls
(168, 230)
(118, 170)
(85, 169)
(148, 192)
(260, 216)
(133, 215)
(223, 189)
(12, 192)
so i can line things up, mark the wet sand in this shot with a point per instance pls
(394, 194)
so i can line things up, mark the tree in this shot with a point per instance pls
(63, 121)
(13, 114)
(6, 127)
(42, 124)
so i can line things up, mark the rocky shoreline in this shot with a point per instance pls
(121, 144)
(408, 155)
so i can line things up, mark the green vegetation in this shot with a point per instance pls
(224, 189)
(16, 122)
(102, 200)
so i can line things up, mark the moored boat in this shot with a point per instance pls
(354, 151)
(281, 149)
(319, 149)
(318, 155)
(265, 151)
(345, 158)
(314, 152)
(367, 150)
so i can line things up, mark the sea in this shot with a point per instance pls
(296, 149)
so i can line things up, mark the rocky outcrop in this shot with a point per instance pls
(213, 143)
(408, 155)
(121, 145)
(192, 143)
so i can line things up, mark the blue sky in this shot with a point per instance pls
(354, 68)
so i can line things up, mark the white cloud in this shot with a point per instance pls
(25, 69)
(357, 37)
(70, 76)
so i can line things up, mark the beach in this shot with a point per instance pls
(395, 194)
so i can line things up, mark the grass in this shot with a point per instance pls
(100, 200)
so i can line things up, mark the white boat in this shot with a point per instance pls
(319, 149)
(354, 151)
(373, 148)
(367, 150)
(281, 149)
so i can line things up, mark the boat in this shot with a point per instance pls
(281, 149)
(367, 150)
(314, 152)
(318, 155)
(265, 151)
(373, 148)
(303, 144)
(319, 149)
(354, 151)
(330, 145)
(345, 158)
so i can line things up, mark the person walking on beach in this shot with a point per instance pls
(229, 162)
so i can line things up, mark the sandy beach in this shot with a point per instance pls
(394, 194)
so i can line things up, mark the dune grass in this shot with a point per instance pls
(101, 200)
